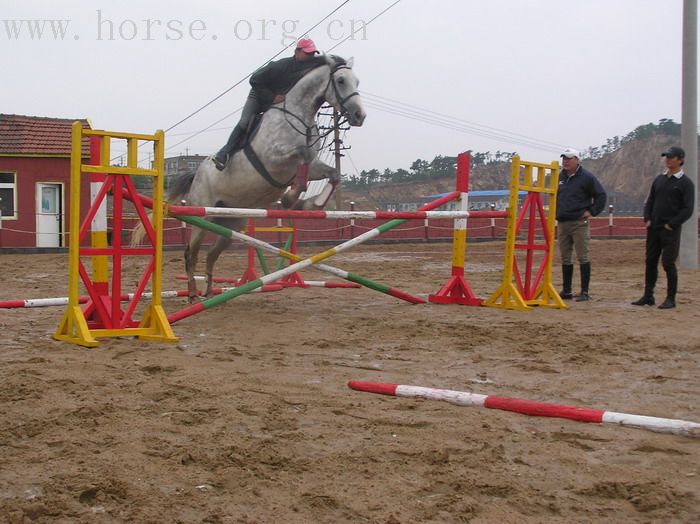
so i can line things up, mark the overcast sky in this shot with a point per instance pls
(547, 73)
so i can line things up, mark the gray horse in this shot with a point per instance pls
(285, 139)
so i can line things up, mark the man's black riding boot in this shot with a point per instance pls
(585, 282)
(646, 300)
(221, 157)
(671, 287)
(669, 303)
(567, 271)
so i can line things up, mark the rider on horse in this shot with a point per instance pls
(269, 85)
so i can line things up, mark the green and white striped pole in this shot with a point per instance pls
(298, 265)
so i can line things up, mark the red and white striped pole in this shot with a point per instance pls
(529, 407)
(125, 297)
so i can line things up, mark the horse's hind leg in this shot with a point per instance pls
(191, 253)
(214, 252)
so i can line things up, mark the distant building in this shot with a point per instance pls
(180, 165)
(35, 180)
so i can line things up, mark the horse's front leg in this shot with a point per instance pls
(220, 244)
(290, 198)
(318, 171)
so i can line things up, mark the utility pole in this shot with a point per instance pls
(689, 128)
(337, 148)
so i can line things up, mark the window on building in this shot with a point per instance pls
(192, 165)
(8, 194)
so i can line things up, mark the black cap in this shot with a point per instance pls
(674, 151)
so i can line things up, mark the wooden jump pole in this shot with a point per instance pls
(352, 277)
(533, 408)
(314, 260)
(308, 283)
(125, 297)
(239, 212)
(298, 265)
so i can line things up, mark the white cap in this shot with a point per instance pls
(570, 152)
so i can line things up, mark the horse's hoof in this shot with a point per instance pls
(193, 299)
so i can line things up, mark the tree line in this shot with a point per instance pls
(444, 166)
(422, 170)
(666, 126)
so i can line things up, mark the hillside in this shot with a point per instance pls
(492, 176)
(626, 174)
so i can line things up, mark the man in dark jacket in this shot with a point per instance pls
(580, 197)
(669, 204)
(269, 85)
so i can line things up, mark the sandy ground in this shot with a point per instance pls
(248, 417)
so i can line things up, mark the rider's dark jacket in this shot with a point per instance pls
(278, 77)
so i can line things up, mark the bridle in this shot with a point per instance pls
(336, 92)
(307, 131)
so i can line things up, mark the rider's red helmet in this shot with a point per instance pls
(307, 45)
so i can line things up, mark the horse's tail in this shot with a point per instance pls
(139, 232)
(179, 188)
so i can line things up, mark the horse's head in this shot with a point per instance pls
(342, 92)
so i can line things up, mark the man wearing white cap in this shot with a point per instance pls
(580, 197)
(269, 85)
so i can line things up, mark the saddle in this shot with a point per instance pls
(249, 134)
(245, 144)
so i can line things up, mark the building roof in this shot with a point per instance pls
(38, 135)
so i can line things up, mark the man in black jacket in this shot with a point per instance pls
(669, 204)
(269, 84)
(579, 197)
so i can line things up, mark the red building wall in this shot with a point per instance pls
(30, 170)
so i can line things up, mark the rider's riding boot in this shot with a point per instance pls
(221, 157)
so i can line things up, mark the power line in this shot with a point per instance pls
(204, 129)
(460, 127)
(365, 25)
(217, 97)
(353, 164)
(476, 125)
(209, 127)
(449, 122)
(276, 55)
